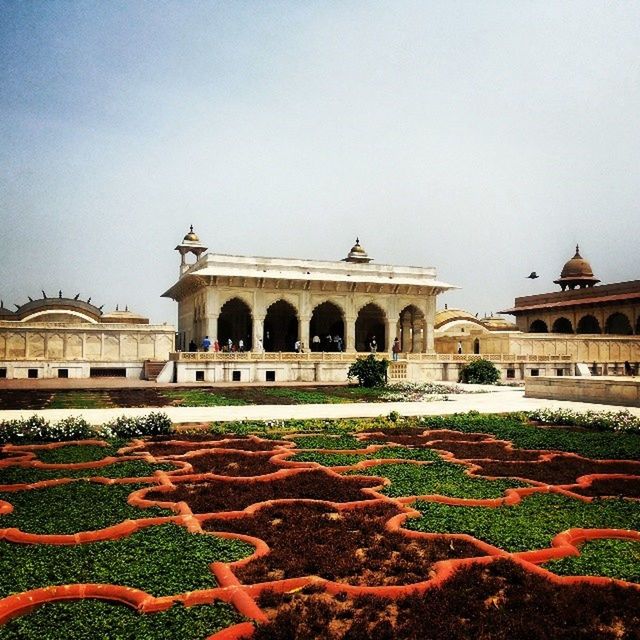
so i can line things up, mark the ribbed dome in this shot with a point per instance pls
(576, 272)
(577, 267)
(191, 236)
(357, 253)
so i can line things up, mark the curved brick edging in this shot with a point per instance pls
(243, 597)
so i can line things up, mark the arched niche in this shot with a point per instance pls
(618, 325)
(562, 325)
(588, 324)
(235, 323)
(280, 327)
(327, 320)
(411, 330)
(538, 326)
(370, 323)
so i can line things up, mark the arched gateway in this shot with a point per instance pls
(273, 304)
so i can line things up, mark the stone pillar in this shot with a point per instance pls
(211, 327)
(392, 332)
(418, 336)
(350, 333)
(406, 336)
(258, 328)
(303, 332)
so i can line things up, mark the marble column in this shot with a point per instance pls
(350, 333)
(257, 338)
(303, 332)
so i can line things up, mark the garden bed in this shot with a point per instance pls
(424, 531)
(497, 601)
(235, 494)
(350, 545)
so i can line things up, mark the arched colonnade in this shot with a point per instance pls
(617, 323)
(237, 327)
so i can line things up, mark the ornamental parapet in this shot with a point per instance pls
(284, 356)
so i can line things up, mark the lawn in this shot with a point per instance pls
(391, 523)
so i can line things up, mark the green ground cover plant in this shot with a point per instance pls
(74, 453)
(344, 459)
(201, 398)
(442, 478)
(610, 558)
(93, 619)
(516, 427)
(73, 507)
(530, 524)
(125, 469)
(301, 396)
(79, 400)
(329, 442)
(162, 560)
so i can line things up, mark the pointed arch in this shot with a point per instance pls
(562, 325)
(411, 329)
(618, 324)
(370, 324)
(280, 326)
(538, 326)
(588, 324)
(235, 323)
(327, 321)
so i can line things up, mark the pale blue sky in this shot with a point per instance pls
(482, 138)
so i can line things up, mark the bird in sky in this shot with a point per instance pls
(533, 275)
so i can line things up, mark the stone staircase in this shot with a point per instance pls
(152, 368)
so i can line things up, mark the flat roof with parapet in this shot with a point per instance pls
(600, 294)
(213, 265)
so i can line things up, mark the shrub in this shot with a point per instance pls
(37, 429)
(152, 424)
(369, 371)
(479, 371)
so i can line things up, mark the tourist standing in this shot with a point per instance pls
(459, 347)
(337, 341)
(296, 346)
(241, 345)
(206, 343)
(315, 343)
(373, 345)
(260, 346)
(395, 349)
(193, 346)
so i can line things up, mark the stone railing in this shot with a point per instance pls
(287, 356)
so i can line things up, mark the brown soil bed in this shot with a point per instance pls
(158, 449)
(235, 495)
(7, 455)
(350, 546)
(423, 440)
(558, 470)
(500, 601)
(629, 488)
(233, 464)
(491, 450)
(24, 398)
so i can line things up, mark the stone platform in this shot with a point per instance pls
(614, 390)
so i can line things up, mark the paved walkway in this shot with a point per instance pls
(496, 401)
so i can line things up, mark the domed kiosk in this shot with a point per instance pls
(576, 273)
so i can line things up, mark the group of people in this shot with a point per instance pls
(330, 343)
(228, 347)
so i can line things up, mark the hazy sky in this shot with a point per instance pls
(482, 138)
